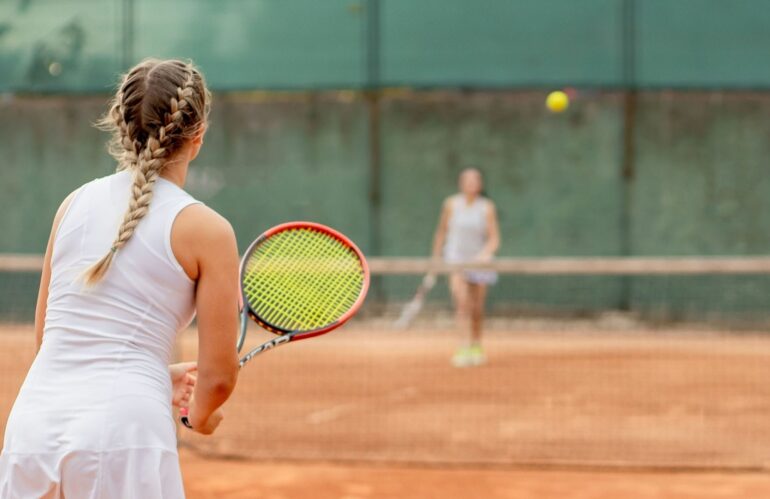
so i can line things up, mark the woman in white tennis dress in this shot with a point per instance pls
(130, 259)
(468, 232)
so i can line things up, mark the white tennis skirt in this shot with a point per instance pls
(486, 277)
(76, 435)
(124, 474)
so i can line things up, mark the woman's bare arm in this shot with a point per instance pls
(440, 235)
(205, 245)
(493, 234)
(45, 276)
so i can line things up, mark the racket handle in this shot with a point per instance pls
(244, 326)
(185, 419)
(284, 338)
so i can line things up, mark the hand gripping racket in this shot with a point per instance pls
(299, 280)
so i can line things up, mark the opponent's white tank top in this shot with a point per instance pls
(466, 229)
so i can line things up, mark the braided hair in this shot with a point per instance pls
(159, 105)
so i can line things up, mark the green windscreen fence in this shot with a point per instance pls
(80, 46)
(457, 43)
(698, 185)
(52, 46)
(702, 43)
(264, 44)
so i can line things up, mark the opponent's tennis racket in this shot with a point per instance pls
(413, 308)
(299, 280)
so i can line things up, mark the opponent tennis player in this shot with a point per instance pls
(468, 231)
(130, 259)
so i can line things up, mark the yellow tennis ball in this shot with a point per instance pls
(557, 101)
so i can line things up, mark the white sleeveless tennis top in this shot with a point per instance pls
(466, 229)
(97, 400)
(144, 298)
(467, 235)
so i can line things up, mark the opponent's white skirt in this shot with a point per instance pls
(142, 473)
(486, 277)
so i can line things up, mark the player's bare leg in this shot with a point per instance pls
(461, 299)
(477, 294)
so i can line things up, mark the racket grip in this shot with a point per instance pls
(185, 419)
(244, 324)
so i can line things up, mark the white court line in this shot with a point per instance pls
(330, 414)
(336, 411)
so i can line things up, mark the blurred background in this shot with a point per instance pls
(662, 151)
(360, 115)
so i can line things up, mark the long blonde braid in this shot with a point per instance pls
(144, 151)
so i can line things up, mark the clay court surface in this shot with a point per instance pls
(210, 479)
(367, 413)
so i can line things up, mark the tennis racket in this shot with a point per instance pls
(413, 308)
(299, 280)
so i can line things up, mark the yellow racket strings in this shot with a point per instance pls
(302, 279)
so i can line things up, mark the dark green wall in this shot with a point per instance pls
(555, 178)
(301, 44)
(698, 184)
(701, 43)
(702, 177)
(701, 185)
(47, 148)
(460, 43)
(296, 156)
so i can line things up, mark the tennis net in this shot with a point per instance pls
(616, 362)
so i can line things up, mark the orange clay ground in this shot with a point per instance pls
(376, 414)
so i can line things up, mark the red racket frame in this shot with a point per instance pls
(286, 336)
(301, 335)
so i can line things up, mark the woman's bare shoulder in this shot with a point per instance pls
(200, 234)
(203, 221)
(449, 201)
